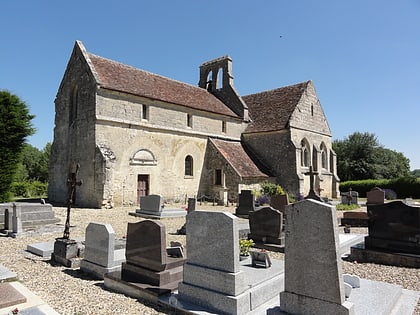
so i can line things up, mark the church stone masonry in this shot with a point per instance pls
(136, 133)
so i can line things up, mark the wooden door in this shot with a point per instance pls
(142, 186)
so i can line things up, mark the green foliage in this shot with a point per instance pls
(404, 187)
(270, 189)
(15, 126)
(360, 156)
(346, 207)
(244, 246)
(29, 189)
(416, 173)
(35, 163)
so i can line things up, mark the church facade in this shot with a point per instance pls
(135, 133)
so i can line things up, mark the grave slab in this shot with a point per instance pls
(43, 249)
(6, 274)
(9, 296)
(33, 305)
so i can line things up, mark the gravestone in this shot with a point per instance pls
(152, 207)
(350, 197)
(375, 196)
(245, 203)
(32, 215)
(312, 236)
(279, 202)
(103, 253)
(192, 204)
(214, 278)
(355, 218)
(394, 226)
(148, 269)
(266, 226)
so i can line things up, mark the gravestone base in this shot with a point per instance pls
(231, 293)
(393, 245)
(95, 270)
(300, 304)
(114, 281)
(68, 253)
(269, 246)
(165, 213)
(137, 274)
(360, 253)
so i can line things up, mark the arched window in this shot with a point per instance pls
(219, 83)
(314, 158)
(188, 165)
(305, 153)
(324, 157)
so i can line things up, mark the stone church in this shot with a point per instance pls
(135, 133)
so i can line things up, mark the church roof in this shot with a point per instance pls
(271, 110)
(235, 154)
(123, 78)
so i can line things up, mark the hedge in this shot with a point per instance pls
(404, 187)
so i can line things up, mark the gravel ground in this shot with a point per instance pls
(69, 291)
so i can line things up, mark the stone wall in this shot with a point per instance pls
(74, 131)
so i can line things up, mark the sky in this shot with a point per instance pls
(362, 56)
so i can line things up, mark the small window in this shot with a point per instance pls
(188, 165)
(144, 113)
(224, 126)
(74, 98)
(189, 120)
(218, 177)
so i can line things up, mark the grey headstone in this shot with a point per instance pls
(192, 204)
(350, 197)
(151, 203)
(312, 236)
(213, 240)
(100, 244)
(17, 219)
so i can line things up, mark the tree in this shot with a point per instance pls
(34, 163)
(15, 127)
(360, 156)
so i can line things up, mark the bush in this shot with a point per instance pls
(390, 194)
(345, 207)
(270, 189)
(29, 189)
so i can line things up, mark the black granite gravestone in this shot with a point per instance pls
(394, 226)
(266, 225)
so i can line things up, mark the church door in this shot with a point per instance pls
(142, 186)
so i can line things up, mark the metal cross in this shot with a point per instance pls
(72, 182)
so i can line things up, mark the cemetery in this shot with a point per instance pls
(303, 261)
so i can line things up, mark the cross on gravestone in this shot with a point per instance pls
(72, 182)
(312, 194)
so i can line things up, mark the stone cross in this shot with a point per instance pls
(72, 182)
(312, 194)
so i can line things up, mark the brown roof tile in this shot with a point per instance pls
(271, 110)
(236, 156)
(119, 77)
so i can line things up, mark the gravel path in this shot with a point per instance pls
(69, 291)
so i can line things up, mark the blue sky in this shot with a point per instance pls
(363, 56)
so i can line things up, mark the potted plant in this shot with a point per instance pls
(244, 246)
